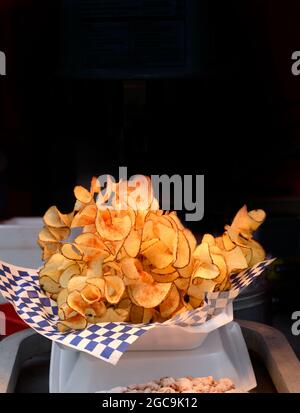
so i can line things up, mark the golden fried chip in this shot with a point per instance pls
(77, 322)
(45, 236)
(147, 316)
(95, 267)
(140, 218)
(82, 195)
(258, 253)
(187, 271)
(148, 243)
(149, 294)
(112, 268)
(89, 228)
(115, 248)
(235, 260)
(167, 235)
(97, 282)
(131, 297)
(165, 220)
(65, 311)
(99, 308)
(77, 283)
(182, 283)
(220, 262)
(66, 218)
(209, 239)
(167, 270)
(219, 243)
(76, 302)
(165, 278)
(195, 302)
(131, 268)
(132, 243)
(228, 242)
(202, 253)
(125, 304)
(183, 253)
(91, 246)
(113, 225)
(95, 186)
(90, 315)
(113, 316)
(53, 274)
(191, 239)
(49, 285)
(48, 249)
(205, 271)
(62, 297)
(245, 223)
(91, 294)
(136, 314)
(53, 218)
(54, 266)
(159, 255)
(170, 303)
(114, 288)
(248, 254)
(60, 233)
(173, 216)
(85, 216)
(205, 268)
(235, 237)
(90, 240)
(199, 290)
(72, 252)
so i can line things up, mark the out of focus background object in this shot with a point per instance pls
(18, 246)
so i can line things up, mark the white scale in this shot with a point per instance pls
(217, 349)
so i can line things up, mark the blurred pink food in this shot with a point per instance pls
(180, 385)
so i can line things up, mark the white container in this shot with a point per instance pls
(223, 353)
(18, 244)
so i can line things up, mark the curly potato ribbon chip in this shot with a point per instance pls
(245, 223)
(149, 293)
(113, 225)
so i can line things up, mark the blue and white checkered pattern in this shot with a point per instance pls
(218, 301)
(246, 277)
(107, 341)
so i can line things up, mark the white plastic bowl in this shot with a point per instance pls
(18, 244)
(223, 353)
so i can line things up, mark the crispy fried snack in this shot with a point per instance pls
(134, 262)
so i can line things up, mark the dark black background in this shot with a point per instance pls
(233, 115)
(235, 119)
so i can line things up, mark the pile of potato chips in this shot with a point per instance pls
(134, 262)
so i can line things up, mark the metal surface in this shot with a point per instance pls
(276, 353)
